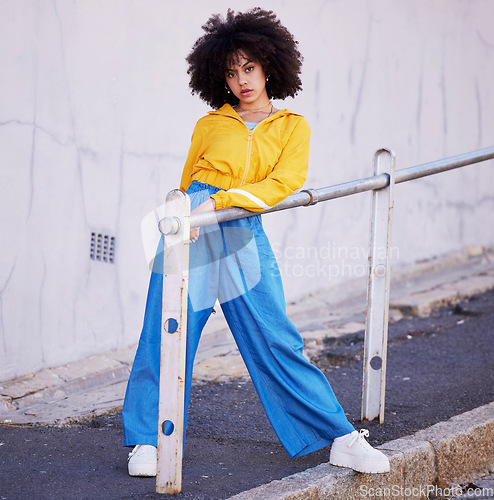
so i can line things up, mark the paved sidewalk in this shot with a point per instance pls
(96, 385)
(458, 450)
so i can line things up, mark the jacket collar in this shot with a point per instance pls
(227, 110)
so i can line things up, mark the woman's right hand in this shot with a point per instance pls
(208, 206)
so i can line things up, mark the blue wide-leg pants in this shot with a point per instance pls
(233, 261)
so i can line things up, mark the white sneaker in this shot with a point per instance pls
(143, 461)
(353, 451)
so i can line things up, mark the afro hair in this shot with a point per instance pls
(257, 34)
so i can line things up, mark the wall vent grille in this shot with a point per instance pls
(102, 248)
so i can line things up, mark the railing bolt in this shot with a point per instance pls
(169, 225)
(380, 270)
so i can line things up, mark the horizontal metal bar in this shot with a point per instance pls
(353, 187)
(302, 198)
(408, 174)
(208, 218)
(305, 198)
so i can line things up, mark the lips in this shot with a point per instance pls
(245, 92)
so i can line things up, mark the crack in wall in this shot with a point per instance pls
(31, 166)
(484, 41)
(79, 150)
(38, 127)
(444, 104)
(479, 112)
(420, 103)
(361, 85)
(40, 305)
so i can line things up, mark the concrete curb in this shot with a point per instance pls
(432, 460)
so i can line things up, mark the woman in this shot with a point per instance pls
(247, 154)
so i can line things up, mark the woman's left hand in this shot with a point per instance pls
(208, 206)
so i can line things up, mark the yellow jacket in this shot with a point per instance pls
(255, 169)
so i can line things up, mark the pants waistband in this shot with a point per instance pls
(197, 186)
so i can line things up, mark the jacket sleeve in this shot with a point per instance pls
(288, 175)
(192, 157)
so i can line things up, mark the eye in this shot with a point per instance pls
(230, 74)
(248, 69)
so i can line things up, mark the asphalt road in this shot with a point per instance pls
(438, 367)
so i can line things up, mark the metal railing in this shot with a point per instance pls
(176, 226)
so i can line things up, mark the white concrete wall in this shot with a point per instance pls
(95, 122)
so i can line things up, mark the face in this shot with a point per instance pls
(246, 79)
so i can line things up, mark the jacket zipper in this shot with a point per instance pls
(247, 160)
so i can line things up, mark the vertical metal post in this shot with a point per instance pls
(173, 343)
(376, 321)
